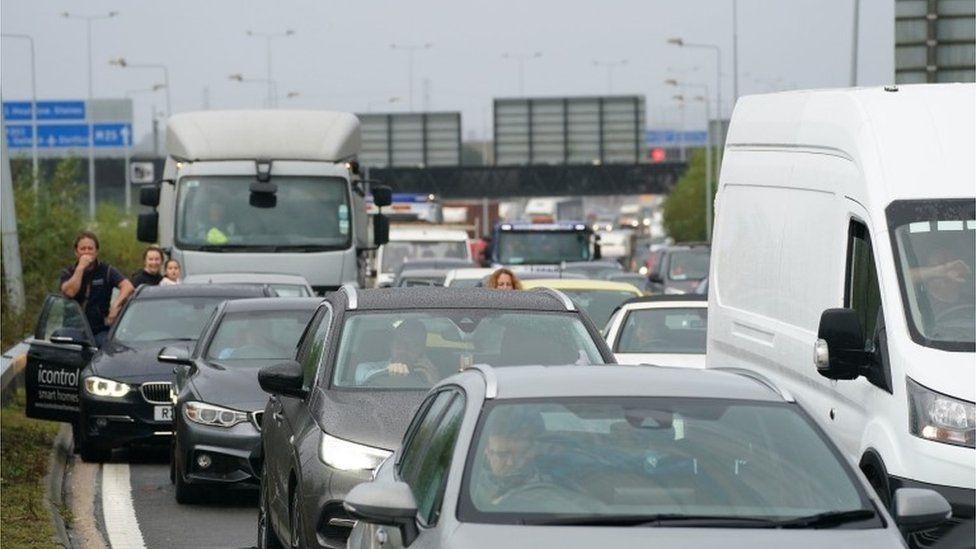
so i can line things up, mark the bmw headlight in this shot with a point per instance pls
(349, 456)
(101, 387)
(215, 416)
(934, 416)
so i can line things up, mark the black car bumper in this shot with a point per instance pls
(130, 420)
(959, 532)
(218, 455)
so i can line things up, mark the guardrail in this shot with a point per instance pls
(12, 364)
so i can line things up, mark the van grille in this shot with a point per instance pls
(157, 392)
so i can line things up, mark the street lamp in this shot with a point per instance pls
(272, 85)
(34, 162)
(610, 65)
(521, 57)
(410, 49)
(121, 62)
(267, 44)
(718, 66)
(91, 125)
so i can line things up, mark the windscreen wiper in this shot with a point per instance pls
(828, 519)
(663, 519)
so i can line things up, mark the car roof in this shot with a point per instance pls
(624, 381)
(272, 304)
(456, 298)
(229, 291)
(250, 278)
(665, 298)
(581, 284)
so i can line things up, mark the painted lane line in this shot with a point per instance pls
(120, 516)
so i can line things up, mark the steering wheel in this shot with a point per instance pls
(954, 311)
(547, 491)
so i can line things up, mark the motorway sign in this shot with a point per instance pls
(673, 138)
(46, 110)
(54, 136)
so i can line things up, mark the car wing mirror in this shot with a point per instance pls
(174, 354)
(385, 503)
(920, 509)
(285, 378)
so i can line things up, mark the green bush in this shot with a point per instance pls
(684, 207)
(46, 228)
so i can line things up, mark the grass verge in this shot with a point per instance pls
(25, 445)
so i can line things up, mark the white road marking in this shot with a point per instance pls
(120, 516)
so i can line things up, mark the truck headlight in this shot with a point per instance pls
(934, 416)
(349, 456)
(101, 387)
(215, 416)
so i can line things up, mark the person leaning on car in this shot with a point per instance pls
(90, 283)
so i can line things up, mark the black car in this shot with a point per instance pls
(119, 394)
(363, 366)
(217, 440)
(679, 269)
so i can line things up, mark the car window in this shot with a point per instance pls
(425, 467)
(679, 330)
(688, 264)
(258, 335)
(422, 431)
(315, 353)
(540, 459)
(427, 346)
(158, 319)
(290, 290)
(599, 304)
(60, 312)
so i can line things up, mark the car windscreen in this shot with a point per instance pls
(679, 330)
(598, 304)
(158, 319)
(688, 264)
(935, 253)
(398, 251)
(579, 460)
(304, 214)
(258, 335)
(416, 349)
(542, 247)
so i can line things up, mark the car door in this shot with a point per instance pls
(62, 345)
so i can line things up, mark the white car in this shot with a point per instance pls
(664, 330)
(466, 278)
(285, 285)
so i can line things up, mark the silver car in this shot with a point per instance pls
(622, 456)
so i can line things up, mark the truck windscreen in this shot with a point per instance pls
(308, 214)
(541, 247)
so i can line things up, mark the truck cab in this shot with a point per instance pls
(543, 246)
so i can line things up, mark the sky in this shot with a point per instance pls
(339, 56)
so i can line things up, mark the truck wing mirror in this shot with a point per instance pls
(839, 351)
(147, 227)
(149, 195)
(382, 195)
(381, 229)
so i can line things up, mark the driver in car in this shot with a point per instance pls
(407, 356)
(943, 279)
(509, 458)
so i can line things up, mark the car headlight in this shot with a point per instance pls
(101, 387)
(215, 416)
(349, 456)
(934, 416)
(643, 270)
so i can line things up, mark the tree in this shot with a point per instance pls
(684, 207)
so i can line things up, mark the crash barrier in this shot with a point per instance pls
(12, 371)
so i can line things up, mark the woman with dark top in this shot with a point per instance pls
(150, 273)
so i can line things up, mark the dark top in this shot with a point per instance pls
(95, 294)
(141, 277)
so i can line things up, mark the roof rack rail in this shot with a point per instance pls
(566, 301)
(352, 295)
(756, 376)
(491, 383)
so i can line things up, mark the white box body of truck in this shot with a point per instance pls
(860, 199)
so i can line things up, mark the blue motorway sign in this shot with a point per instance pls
(54, 136)
(46, 110)
(673, 138)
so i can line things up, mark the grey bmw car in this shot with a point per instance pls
(364, 364)
(622, 457)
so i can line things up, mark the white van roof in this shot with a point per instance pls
(263, 134)
(920, 137)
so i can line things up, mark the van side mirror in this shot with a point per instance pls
(147, 227)
(920, 509)
(285, 378)
(385, 503)
(381, 229)
(839, 351)
(149, 195)
(382, 195)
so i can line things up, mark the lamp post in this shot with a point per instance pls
(34, 162)
(709, 181)
(610, 65)
(121, 62)
(128, 146)
(410, 49)
(718, 87)
(268, 36)
(681, 128)
(272, 85)
(88, 19)
(521, 58)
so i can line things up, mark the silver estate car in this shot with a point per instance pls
(622, 456)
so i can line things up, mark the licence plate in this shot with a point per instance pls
(163, 413)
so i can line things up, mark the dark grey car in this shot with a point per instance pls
(622, 457)
(217, 440)
(365, 362)
(679, 269)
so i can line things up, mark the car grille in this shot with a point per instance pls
(256, 419)
(157, 392)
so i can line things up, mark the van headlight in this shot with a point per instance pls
(934, 416)
(214, 416)
(101, 387)
(349, 456)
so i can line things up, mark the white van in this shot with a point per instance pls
(842, 267)
(419, 242)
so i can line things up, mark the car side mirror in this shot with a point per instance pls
(385, 503)
(71, 336)
(175, 354)
(920, 509)
(147, 227)
(839, 351)
(655, 277)
(285, 378)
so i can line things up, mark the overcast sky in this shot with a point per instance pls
(340, 58)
